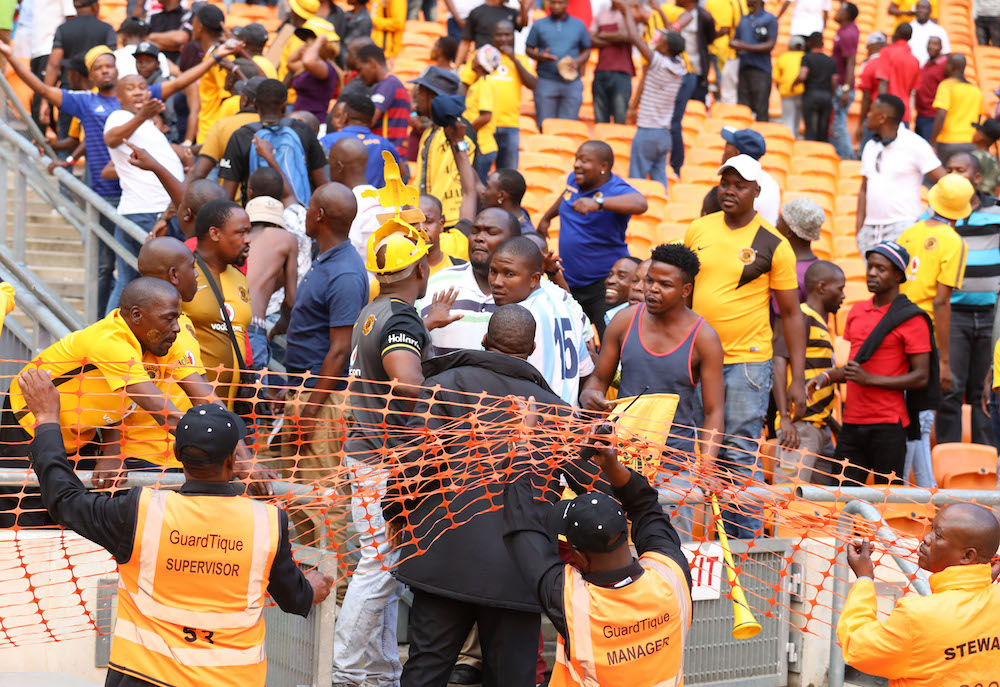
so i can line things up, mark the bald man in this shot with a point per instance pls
(131, 355)
(957, 106)
(327, 304)
(348, 165)
(594, 212)
(196, 195)
(947, 638)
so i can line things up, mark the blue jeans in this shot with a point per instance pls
(688, 85)
(126, 274)
(748, 389)
(508, 139)
(840, 138)
(612, 91)
(557, 100)
(924, 127)
(454, 30)
(260, 349)
(483, 164)
(650, 148)
(918, 454)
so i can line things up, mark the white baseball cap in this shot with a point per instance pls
(744, 165)
(266, 210)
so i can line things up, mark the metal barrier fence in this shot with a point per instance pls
(78, 204)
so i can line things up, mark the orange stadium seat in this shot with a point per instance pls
(710, 139)
(695, 108)
(845, 247)
(682, 213)
(695, 173)
(850, 169)
(772, 131)
(703, 157)
(623, 152)
(541, 162)
(542, 143)
(974, 466)
(850, 186)
(656, 195)
(527, 124)
(814, 149)
(908, 519)
(614, 132)
(430, 28)
(578, 132)
(845, 226)
(642, 234)
(689, 192)
(812, 165)
(671, 232)
(736, 116)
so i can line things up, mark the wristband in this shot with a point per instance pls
(70, 160)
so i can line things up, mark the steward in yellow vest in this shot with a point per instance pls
(195, 566)
(948, 638)
(622, 622)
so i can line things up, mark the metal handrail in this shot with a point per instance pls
(25, 116)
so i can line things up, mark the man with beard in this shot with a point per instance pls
(221, 229)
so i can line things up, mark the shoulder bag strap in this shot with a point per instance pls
(222, 306)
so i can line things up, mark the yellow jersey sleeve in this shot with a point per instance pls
(953, 258)
(118, 359)
(185, 351)
(783, 275)
(487, 96)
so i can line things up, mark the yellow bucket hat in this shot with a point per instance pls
(950, 197)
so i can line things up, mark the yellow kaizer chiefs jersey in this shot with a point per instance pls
(91, 368)
(937, 256)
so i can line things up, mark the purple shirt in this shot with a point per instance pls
(314, 95)
(845, 46)
(800, 272)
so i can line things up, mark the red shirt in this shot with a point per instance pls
(931, 75)
(901, 69)
(867, 82)
(870, 405)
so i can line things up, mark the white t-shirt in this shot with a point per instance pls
(807, 16)
(365, 222)
(141, 190)
(921, 34)
(125, 61)
(768, 203)
(894, 174)
(46, 16)
(475, 307)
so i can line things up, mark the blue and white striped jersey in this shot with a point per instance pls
(561, 353)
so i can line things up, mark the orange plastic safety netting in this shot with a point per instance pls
(454, 450)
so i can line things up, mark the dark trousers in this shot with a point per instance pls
(439, 626)
(105, 260)
(988, 31)
(971, 357)
(591, 299)
(754, 91)
(37, 66)
(816, 111)
(612, 91)
(924, 127)
(863, 449)
(689, 84)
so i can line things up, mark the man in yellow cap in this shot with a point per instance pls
(937, 264)
(388, 345)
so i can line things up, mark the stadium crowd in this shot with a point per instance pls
(263, 164)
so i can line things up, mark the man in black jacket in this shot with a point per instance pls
(450, 507)
(206, 441)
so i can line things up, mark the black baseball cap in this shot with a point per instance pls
(147, 48)
(211, 17)
(594, 523)
(437, 80)
(210, 428)
(989, 127)
(251, 34)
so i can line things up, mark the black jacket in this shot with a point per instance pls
(451, 497)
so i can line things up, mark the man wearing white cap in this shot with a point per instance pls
(745, 260)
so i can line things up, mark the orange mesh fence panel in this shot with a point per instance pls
(440, 459)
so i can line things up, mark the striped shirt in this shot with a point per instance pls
(393, 101)
(819, 358)
(475, 307)
(981, 231)
(560, 345)
(663, 80)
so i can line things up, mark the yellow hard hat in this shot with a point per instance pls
(304, 8)
(950, 197)
(404, 245)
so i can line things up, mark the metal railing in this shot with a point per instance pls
(78, 204)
